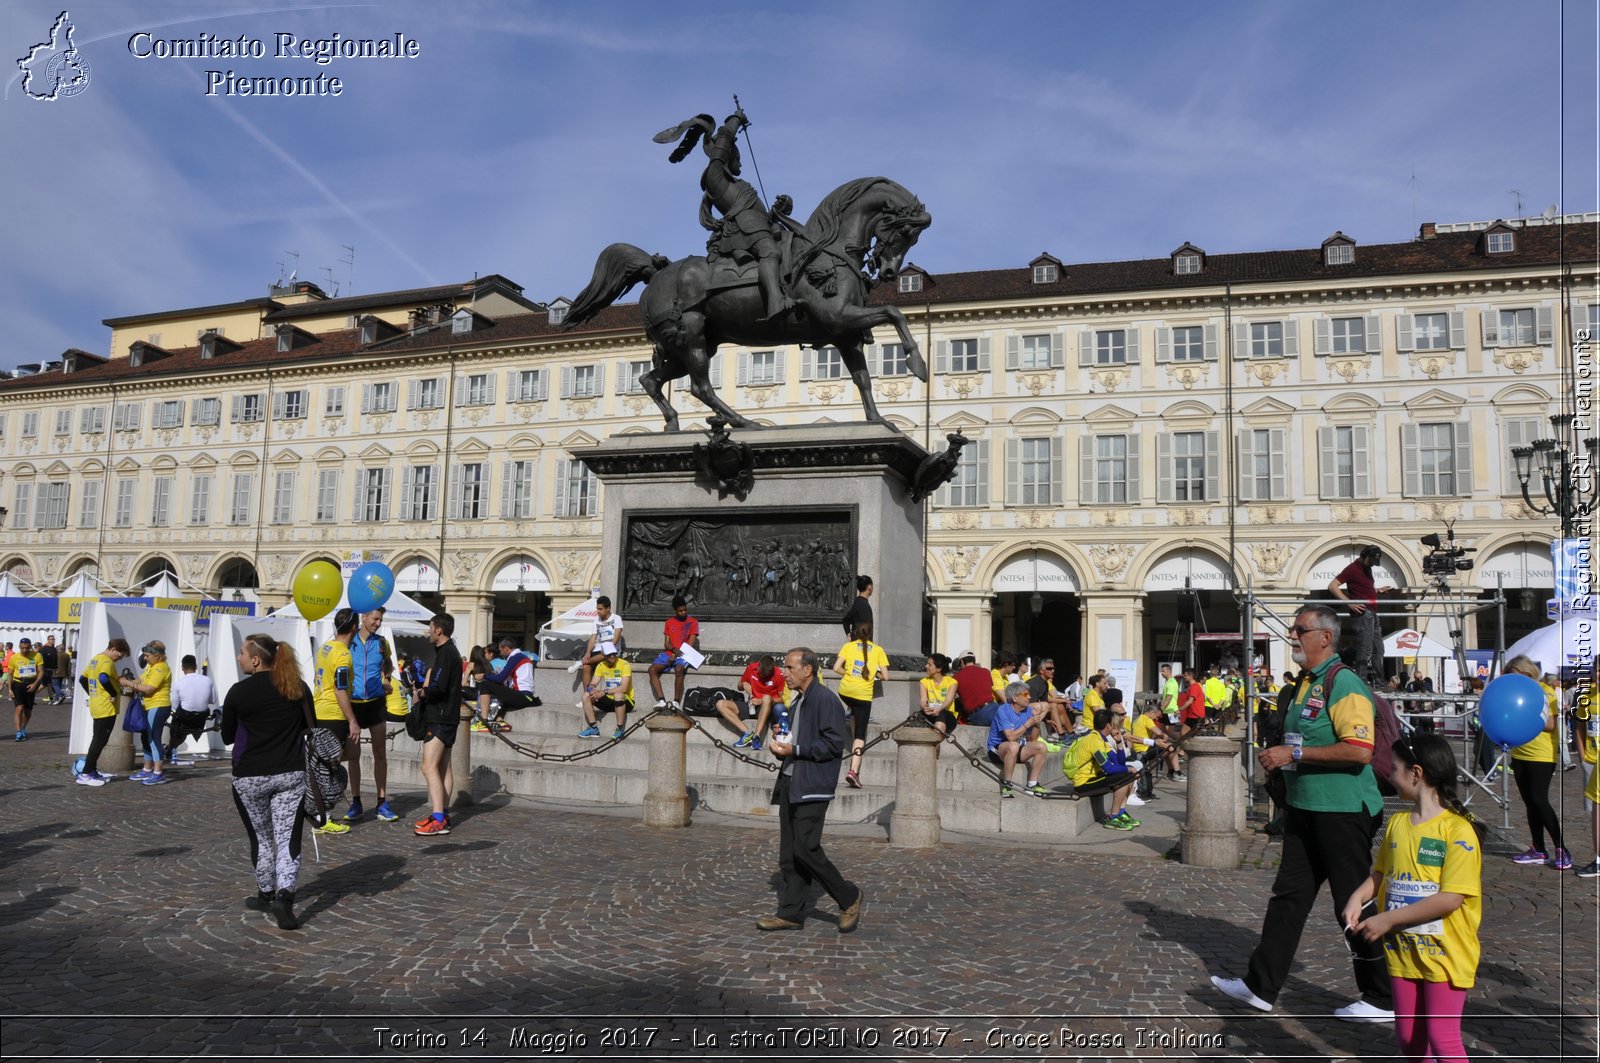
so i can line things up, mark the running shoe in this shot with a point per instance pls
(616, 734)
(1532, 856)
(22, 736)
(1177, 776)
(1135, 799)
(1361, 1011)
(853, 780)
(755, 743)
(1117, 824)
(333, 826)
(354, 812)
(1129, 820)
(154, 779)
(384, 812)
(431, 826)
(140, 776)
(743, 742)
(1035, 788)
(1562, 861)
(479, 727)
(1005, 791)
(592, 731)
(502, 726)
(1590, 870)
(90, 778)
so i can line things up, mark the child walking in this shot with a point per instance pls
(1427, 881)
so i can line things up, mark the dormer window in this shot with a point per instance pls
(213, 344)
(461, 321)
(557, 308)
(291, 338)
(1186, 264)
(911, 282)
(1046, 273)
(1499, 239)
(374, 329)
(1338, 250)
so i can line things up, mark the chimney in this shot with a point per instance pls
(1429, 231)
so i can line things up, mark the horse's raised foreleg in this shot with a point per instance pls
(856, 363)
(861, 318)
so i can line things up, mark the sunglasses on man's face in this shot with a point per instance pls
(1297, 630)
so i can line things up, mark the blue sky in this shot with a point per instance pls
(519, 141)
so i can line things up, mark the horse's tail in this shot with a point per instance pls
(619, 268)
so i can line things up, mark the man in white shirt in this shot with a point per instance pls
(192, 693)
(512, 686)
(607, 628)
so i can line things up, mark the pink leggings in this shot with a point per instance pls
(1427, 1020)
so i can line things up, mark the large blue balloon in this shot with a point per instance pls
(1512, 709)
(370, 586)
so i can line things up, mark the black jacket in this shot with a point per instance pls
(441, 703)
(822, 733)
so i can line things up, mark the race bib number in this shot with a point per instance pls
(1409, 891)
(25, 671)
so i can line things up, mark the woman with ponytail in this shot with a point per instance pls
(860, 663)
(1427, 882)
(264, 719)
(1533, 765)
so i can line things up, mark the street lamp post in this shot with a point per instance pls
(1566, 481)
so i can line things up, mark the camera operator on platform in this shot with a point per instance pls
(1355, 584)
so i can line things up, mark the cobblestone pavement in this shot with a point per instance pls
(535, 933)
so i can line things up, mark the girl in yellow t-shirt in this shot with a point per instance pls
(1428, 883)
(937, 694)
(860, 663)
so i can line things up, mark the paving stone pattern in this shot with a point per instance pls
(539, 932)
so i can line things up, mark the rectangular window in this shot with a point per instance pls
(527, 385)
(1111, 469)
(631, 372)
(1500, 243)
(372, 495)
(1189, 466)
(1045, 274)
(248, 409)
(964, 357)
(19, 505)
(581, 382)
(92, 421)
(427, 394)
(1263, 464)
(125, 418)
(969, 487)
(517, 501)
(200, 499)
(764, 369)
(1340, 254)
(161, 502)
(577, 489)
(419, 493)
(1187, 264)
(89, 508)
(1436, 459)
(63, 422)
(1430, 332)
(1034, 352)
(283, 496)
(1348, 335)
(2, 427)
(333, 402)
(30, 424)
(206, 413)
(244, 485)
(1517, 328)
(123, 517)
(825, 363)
(892, 360)
(169, 414)
(289, 405)
(1189, 343)
(1111, 347)
(470, 491)
(1266, 339)
(327, 496)
(53, 505)
(1036, 473)
(479, 390)
(911, 282)
(382, 396)
(1521, 432)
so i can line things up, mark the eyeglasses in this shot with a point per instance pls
(1297, 631)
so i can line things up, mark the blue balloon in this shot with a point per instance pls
(1512, 709)
(370, 586)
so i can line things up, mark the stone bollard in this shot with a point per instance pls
(117, 758)
(1210, 835)
(666, 799)
(461, 765)
(914, 824)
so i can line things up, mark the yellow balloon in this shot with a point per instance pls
(317, 588)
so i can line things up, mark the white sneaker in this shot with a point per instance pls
(576, 665)
(1135, 799)
(90, 780)
(1361, 1011)
(1235, 988)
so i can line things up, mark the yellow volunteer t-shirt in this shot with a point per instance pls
(609, 679)
(860, 668)
(999, 680)
(334, 670)
(159, 676)
(1542, 747)
(102, 704)
(937, 689)
(1587, 722)
(1144, 730)
(394, 702)
(1093, 701)
(25, 667)
(1441, 855)
(1085, 770)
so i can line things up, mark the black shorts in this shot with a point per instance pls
(370, 712)
(1104, 785)
(444, 732)
(22, 695)
(948, 716)
(338, 727)
(860, 715)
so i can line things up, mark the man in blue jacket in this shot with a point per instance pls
(819, 730)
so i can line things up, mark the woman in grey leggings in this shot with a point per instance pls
(264, 719)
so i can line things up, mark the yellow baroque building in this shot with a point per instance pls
(1148, 436)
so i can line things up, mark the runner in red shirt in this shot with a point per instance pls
(681, 629)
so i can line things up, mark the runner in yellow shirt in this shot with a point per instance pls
(611, 687)
(155, 686)
(27, 673)
(99, 681)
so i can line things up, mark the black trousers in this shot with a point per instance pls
(1318, 847)
(103, 726)
(801, 859)
(1533, 785)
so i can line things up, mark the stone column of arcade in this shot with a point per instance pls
(1211, 825)
(914, 823)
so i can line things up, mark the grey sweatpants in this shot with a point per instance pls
(270, 808)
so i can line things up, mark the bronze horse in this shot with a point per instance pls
(856, 238)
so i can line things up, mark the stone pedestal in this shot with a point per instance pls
(1210, 835)
(666, 798)
(118, 757)
(854, 476)
(461, 765)
(914, 823)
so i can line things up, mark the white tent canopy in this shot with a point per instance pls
(9, 588)
(83, 585)
(1409, 642)
(1567, 644)
(163, 586)
(574, 625)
